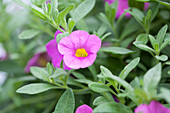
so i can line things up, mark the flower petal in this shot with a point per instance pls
(146, 5)
(93, 44)
(79, 38)
(156, 107)
(87, 61)
(72, 61)
(153, 107)
(66, 46)
(52, 49)
(142, 108)
(84, 109)
(82, 62)
(122, 5)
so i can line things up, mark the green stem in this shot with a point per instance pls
(114, 31)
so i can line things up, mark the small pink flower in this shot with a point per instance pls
(48, 1)
(153, 107)
(39, 59)
(52, 50)
(84, 109)
(79, 49)
(146, 5)
(122, 5)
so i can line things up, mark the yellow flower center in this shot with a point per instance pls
(81, 53)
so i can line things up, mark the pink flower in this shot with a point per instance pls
(153, 107)
(39, 59)
(52, 50)
(122, 5)
(79, 49)
(48, 1)
(84, 109)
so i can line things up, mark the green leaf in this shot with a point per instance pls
(39, 73)
(147, 20)
(50, 68)
(167, 63)
(82, 10)
(98, 87)
(62, 35)
(49, 8)
(104, 36)
(142, 38)
(143, 47)
(153, 42)
(165, 43)
(66, 103)
(162, 57)
(102, 29)
(112, 107)
(58, 72)
(141, 94)
(129, 29)
(71, 24)
(10, 66)
(129, 68)
(54, 5)
(99, 100)
(64, 24)
(104, 19)
(165, 94)
(35, 88)
(63, 13)
(152, 78)
(109, 75)
(116, 50)
(154, 9)
(78, 75)
(161, 34)
(136, 4)
(92, 69)
(137, 14)
(164, 3)
(85, 81)
(81, 25)
(28, 34)
(39, 14)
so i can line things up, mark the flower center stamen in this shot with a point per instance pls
(81, 53)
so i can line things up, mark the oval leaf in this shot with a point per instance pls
(112, 107)
(35, 88)
(98, 87)
(116, 50)
(82, 10)
(66, 103)
(28, 34)
(129, 68)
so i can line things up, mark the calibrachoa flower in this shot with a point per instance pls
(122, 5)
(52, 50)
(84, 109)
(39, 59)
(79, 49)
(153, 107)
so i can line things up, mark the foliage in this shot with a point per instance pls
(132, 66)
